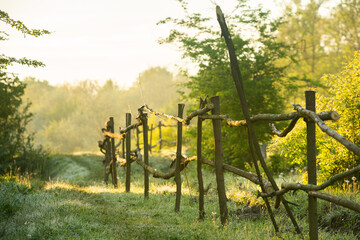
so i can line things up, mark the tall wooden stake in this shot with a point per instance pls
(199, 165)
(137, 138)
(128, 149)
(178, 157)
(107, 160)
(113, 157)
(151, 130)
(123, 148)
(237, 77)
(219, 161)
(144, 121)
(160, 140)
(311, 165)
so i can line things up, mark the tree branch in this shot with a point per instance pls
(310, 187)
(198, 112)
(312, 116)
(339, 201)
(186, 120)
(113, 135)
(327, 115)
(287, 130)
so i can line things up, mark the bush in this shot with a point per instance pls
(16, 147)
(333, 157)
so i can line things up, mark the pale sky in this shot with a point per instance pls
(98, 40)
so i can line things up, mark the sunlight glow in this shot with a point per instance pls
(98, 40)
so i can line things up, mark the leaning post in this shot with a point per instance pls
(219, 161)
(236, 74)
(178, 157)
(311, 164)
(128, 149)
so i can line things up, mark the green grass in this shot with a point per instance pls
(75, 204)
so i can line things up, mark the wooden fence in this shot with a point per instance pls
(209, 109)
(159, 143)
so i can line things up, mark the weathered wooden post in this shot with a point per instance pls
(219, 161)
(123, 147)
(151, 130)
(311, 164)
(112, 155)
(160, 140)
(144, 120)
(107, 159)
(107, 149)
(128, 149)
(137, 138)
(178, 157)
(199, 165)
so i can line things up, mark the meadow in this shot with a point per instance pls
(74, 203)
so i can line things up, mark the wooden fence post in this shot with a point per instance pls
(178, 157)
(128, 149)
(151, 130)
(160, 140)
(311, 164)
(137, 137)
(144, 121)
(123, 147)
(107, 160)
(113, 157)
(199, 164)
(219, 161)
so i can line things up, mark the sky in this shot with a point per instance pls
(99, 40)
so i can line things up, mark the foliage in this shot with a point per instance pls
(259, 55)
(303, 31)
(344, 90)
(16, 146)
(343, 27)
(73, 115)
(18, 25)
(292, 148)
(344, 97)
(320, 35)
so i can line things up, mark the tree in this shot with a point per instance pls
(304, 30)
(16, 146)
(260, 61)
(344, 90)
(332, 158)
(343, 33)
(346, 25)
(72, 116)
(319, 41)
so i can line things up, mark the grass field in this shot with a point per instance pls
(74, 203)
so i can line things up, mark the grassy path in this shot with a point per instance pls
(75, 204)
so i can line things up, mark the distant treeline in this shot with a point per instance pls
(68, 117)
